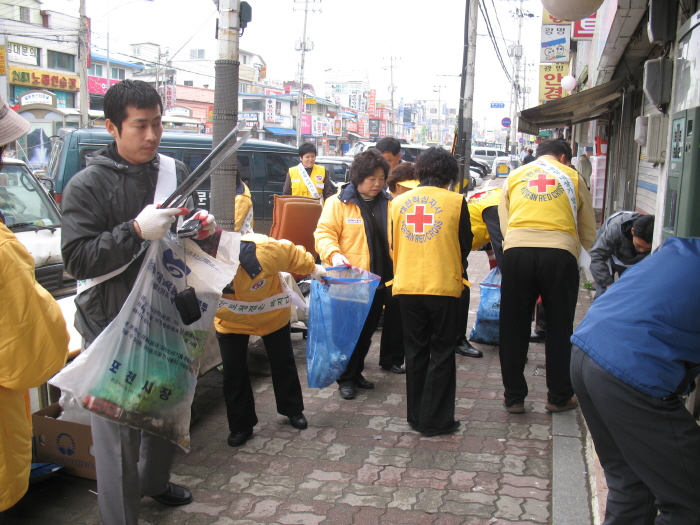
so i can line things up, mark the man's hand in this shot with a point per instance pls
(208, 224)
(339, 259)
(153, 223)
(319, 273)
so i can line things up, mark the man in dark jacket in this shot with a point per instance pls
(108, 211)
(623, 240)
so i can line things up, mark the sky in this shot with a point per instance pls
(425, 39)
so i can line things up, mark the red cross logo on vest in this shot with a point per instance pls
(419, 219)
(541, 183)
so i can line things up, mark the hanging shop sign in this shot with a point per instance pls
(38, 78)
(23, 54)
(550, 81)
(556, 43)
(584, 29)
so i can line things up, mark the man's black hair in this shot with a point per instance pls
(554, 147)
(134, 93)
(389, 144)
(569, 152)
(365, 164)
(644, 228)
(307, 147)
(437, 165)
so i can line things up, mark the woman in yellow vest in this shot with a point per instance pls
(244, 210)
(431, 237)
(353, 230)
(308, 179)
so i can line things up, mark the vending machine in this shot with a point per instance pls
(682, 213)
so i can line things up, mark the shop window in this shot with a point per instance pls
(95, 70)
(118, 73)
(24, 14)
(63, 61)
(197, 54)
(250, 105)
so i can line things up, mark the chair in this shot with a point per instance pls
(295, 218)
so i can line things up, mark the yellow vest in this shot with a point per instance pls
(477, 204)
(425, 229)
(318, 175)
(538, 200)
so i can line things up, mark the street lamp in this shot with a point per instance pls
(438, 90)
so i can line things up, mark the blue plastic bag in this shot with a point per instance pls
(337, 313)
(489, 313)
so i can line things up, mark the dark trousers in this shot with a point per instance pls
(238, 393)
(527, 273)
(648, 447)
(391, 351)
(463, 315)
(356, 364)
(430, 338)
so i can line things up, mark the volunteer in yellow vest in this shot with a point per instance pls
(256, 286)
(244, 209)
(431, 237)
(308, 179)
(546, 218)
(33, 347)
(353, 230)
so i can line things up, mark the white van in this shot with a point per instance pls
(32, 215)
(487, 154)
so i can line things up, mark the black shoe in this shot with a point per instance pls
(174, 496)
(347, 392)
(238, 438)
(450, 430)
(396, 369)
(467, 350)
(363, 383)
(536, 337)
(299, 422)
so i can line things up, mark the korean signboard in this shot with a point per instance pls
(169, 96)
(270, 110)
(3, 61)
(556, 41)
(382, 128)
(23, 54)
(584, 29)
(39, 79)
(372, 102)
(374, 127)
(550, 81)
(337, 126)
(355, 100)
(98, 85)
(548, 19)
(361, 127)
(351, 126)
(306, 124)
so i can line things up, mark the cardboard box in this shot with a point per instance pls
(63, 442)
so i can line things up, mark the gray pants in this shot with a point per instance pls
(130, 463)
(648, 447)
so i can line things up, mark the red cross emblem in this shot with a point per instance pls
(542, 183)
(419, 219)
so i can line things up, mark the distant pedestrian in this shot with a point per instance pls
(546, 218)
(431, 237)
(623, 240)
(390, 148)
(635, 354)
(529, 157)
(308, 179)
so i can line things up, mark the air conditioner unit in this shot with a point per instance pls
(657, 128)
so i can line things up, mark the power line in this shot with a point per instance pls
(492, 36)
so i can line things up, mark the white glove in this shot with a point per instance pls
(319, 273)
(339, 259)
(208, 224)
(153, 223)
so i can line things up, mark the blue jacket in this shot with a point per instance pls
(645, 330)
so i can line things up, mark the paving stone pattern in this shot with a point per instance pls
(357, 463)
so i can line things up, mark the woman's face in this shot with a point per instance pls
(373, 184)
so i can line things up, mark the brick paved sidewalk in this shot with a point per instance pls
(358, 462)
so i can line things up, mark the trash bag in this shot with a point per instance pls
(337, 313)
(489, 313)
(142, 369)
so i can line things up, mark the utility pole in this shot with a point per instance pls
(302, 46)
(84, 56)
(438, 89)
(517, 53)
(466, 106)
(392, 88)
(225, 178)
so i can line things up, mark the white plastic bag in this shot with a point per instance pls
(141, 370)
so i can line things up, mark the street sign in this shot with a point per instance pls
(498, 105)
(505, 122)
(520, 139)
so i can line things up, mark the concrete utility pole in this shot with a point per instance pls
(466, 106)
(517, 53)
(225, 178)
(84, 55)
(392, 88)
(302, 46)
(439, 89)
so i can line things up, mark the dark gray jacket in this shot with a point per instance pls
(614, 243)
(99, 206)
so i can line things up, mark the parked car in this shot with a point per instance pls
(409, 152)
(487, 154)
(263, 164)
(338, 168)
(32, 215)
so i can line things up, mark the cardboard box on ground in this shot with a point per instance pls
(63, 442)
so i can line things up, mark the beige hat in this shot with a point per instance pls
(12, 126)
